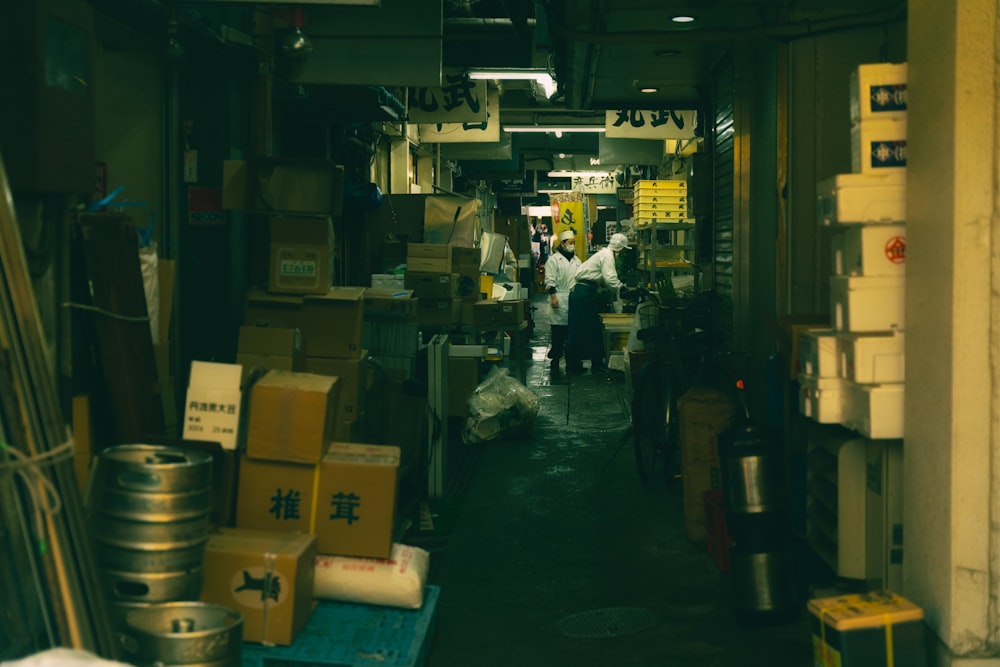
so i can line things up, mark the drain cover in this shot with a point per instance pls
(608, 622)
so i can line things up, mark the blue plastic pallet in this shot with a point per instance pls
(342, 634)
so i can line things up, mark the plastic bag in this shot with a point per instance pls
(499, 405)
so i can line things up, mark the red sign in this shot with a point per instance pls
(895, 249)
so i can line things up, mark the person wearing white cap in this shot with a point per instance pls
(560, 268)
(586, 340)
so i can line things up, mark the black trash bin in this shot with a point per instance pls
(754, 494)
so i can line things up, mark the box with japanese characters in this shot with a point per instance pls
(292, 416)
(878, 90)
(213, 403)
(267, 576)
(348, 500)
(878, 145)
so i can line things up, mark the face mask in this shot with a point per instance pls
(569, 247)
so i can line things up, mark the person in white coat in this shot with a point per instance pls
(586, 337)
(560, 269)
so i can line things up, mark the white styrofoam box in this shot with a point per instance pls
(870, 250)
(821, 399)
(867, 303)
(878, 145)
(387, 281)
(861, 198)
(874, 410)
(818, 355)
(873, 358)
(878, 90)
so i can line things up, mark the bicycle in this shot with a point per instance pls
(682, 350)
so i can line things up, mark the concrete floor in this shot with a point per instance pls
(553, 524)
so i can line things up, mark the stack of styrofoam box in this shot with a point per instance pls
(852, 373)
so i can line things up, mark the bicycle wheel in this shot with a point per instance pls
(648, 421)
(671, 444)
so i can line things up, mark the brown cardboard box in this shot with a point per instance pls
(428, 250)
(267, 576)
(461, 256)
(301, 260)
(283, 185)
(439, 312)
(357, 496)
(498, 313)
(463, 378)
(704, 413)
(383, 303)
(352, 374)
(428, 264)
(273, 495)
(330, 323)
(432, 285)
(292, 416)
(269, 348)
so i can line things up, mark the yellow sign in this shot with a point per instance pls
(569, 215)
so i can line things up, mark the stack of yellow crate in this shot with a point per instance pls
(662, 206)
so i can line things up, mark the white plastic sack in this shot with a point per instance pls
(63, 657)
(397, 581)
(149, 263)
(499, 404)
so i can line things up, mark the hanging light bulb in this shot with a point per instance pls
(296, 45)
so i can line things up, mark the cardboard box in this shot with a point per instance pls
(428, 264)
(274, 495)
(330, 323)
(283, 185)
(267, 576)
(439, 312)
(704, 413)
(461, 256)
(432, 285)
(353, 385)
(348, 500)
(269, 348)
(301, 260)
(384, 303)
(212, 405)
(292, 416)
(428, 250)
(357, 496)
(851, 630)
(498, 313)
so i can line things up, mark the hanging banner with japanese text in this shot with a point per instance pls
(650, 124)
(569, 215)
(595, 185)
(469, 132)
(459, 100)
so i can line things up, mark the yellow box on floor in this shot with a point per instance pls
(267, 576)
(348, 500)
(292, 416)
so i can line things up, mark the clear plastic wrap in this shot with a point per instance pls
(500, 405)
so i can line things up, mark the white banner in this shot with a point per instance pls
(650, 124)
(459, 100)
(595, 185)
(474, 132)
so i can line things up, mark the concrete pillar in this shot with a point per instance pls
(951, 478)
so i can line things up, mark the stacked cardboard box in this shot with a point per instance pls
(442, 277)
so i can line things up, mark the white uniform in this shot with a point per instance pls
(559, 273)
(600, 268)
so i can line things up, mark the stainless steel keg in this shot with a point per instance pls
(183, 633)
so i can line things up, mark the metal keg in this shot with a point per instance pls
(155, 469)
(751, 468)
(149, 513)
(183, 633)
(763, 589)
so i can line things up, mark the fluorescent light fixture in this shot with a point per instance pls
(548, 191)
(552, 129)
(682, 19)
(579, 174)
(538, 211)
(648, 89)
(541, 76)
